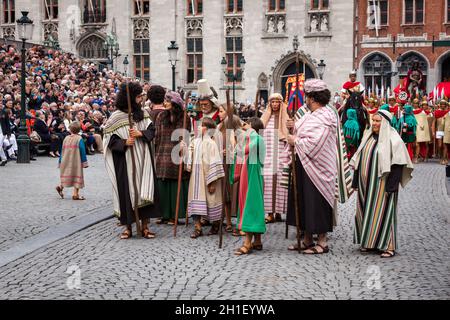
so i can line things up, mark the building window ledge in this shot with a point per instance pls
(273, 36)
(318, 35)
(240, 14)
(230, 87)
(404, 25)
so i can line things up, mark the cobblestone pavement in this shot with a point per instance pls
(29, 203)
(182, 268)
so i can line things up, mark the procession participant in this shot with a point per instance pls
(170, 123)
(247, 168)
(118, 140)
(408, 129)
(71, 163)
(423, 137)
(352, 132)
(372, 108)
(205, 187)
(381, 163)
(207, 101)
(227, 143)
(429, 152)
(446, 140)
(439, 115)
(314, 140)
(275, 134)
(156, 96)
(352, 85)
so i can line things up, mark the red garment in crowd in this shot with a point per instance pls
(417, 111)
(350, 85)
(440, 113)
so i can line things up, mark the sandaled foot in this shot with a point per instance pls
(388, 254)
(257, 246)
(59, 189)
(171, 222)
(197, 233)
(214, 229)
(127, 234)
(78, 198)
(242, 251)
(270, 219)
(205, 223)
(303, 246)
(229, 228)
(147, 234)
(317, 249)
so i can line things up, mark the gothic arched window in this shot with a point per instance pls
(377, 72)
(92, 48)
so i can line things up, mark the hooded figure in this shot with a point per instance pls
(381, 163)
(277, 160)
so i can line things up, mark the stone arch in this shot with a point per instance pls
(285, 62)
(443, 67)
(410, 55)
(373, 78)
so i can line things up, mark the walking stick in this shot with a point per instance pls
(294, 159)
(133, 167)
(180, 173)
(228, 125)
(186, 101)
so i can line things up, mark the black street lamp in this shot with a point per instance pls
(125, 65)
(232, 75)
(173, 50)
(321, 69)
(111, 46)
(25, 30)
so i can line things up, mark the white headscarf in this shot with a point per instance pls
(391, 149)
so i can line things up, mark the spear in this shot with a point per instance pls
(228, 126)
(133, 167)
(180, 170)
(294, 169)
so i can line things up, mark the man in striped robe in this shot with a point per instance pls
(315, 137)
(381, 163)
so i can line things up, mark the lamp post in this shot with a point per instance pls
(173, 50)
(111, 46)
(25, 30)
(321, 69)
(232, 75)
(125, 66)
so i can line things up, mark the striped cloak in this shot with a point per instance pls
(251, 190)
(376, 210)
(277, 159)
(205, 164)
(72, 161)
(118, 125)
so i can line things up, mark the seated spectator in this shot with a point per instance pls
(41, 126)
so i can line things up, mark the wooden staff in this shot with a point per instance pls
(133, 167)
(186, 101)
(294, 169)
(228, 126)
(180, 172)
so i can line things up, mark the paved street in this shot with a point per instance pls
(182, 268)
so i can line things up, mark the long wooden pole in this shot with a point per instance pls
(186, 101)
(228, 126)
(180, 173)
(294, 169)
(133, 167)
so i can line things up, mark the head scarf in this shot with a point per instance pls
(391, 150)
(315, 85)
(282, 119)
(175, 97)
(351, 128)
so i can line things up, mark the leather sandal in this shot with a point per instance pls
(197, 233)
(303, 246)
(147, 234)
(270, 219)
(257, 246)
(127, 234)
(59, 189)
(243, 251)
(388, 254)
(315, 251)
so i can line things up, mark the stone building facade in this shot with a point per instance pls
(407, 31)
(206, 32)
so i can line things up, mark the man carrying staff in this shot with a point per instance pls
(315, 140)
(118, 140)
